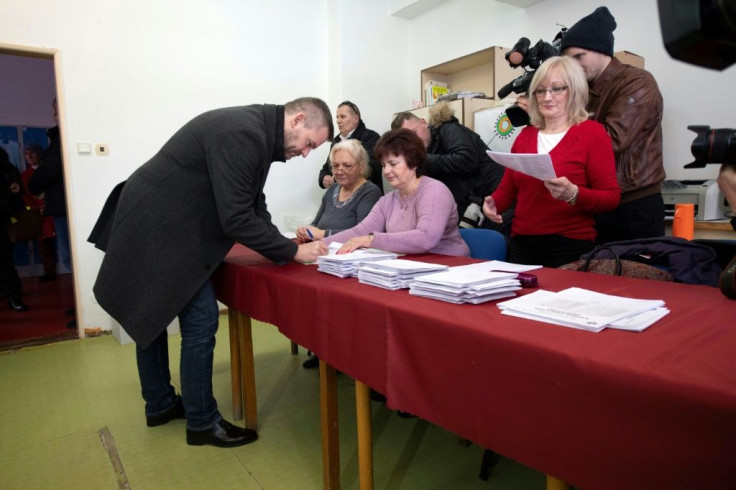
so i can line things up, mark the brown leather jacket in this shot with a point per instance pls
(627, 101)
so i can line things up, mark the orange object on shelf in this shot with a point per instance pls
(683, 225)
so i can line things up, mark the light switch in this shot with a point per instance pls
(102, 149)
(84, 148)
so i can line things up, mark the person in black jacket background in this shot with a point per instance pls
(457, 157)
(49, 180)
(10, 192)
(351, 126)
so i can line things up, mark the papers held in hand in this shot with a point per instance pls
(532, 164)
(587, 310)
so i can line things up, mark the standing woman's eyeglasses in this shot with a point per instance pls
(555, 91)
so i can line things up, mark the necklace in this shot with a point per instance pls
(404, 201)
(336, 196)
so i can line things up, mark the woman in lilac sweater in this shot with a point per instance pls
(418, 216)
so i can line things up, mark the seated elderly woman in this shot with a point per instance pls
(418, 216)
(350, 198)
(554, 219)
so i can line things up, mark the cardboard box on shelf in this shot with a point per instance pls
(630, 58)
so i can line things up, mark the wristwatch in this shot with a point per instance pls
(370, 237)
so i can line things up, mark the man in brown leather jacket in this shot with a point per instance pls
(627, 101)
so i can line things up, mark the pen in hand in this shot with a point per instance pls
(309, 232)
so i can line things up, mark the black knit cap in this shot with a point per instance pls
(593, 32)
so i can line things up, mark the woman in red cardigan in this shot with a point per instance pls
(553, 223)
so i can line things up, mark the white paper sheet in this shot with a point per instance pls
(581, 308)
(532, 164)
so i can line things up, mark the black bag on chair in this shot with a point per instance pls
(687, 262)
(617, 267)
(25, 225)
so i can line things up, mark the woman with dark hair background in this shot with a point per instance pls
(418, 216)
(10, 192)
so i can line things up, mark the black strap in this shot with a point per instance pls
(586, 265)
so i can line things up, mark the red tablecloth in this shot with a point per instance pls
(340, 320)
(613, 409)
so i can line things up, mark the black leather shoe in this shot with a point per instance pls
(222, 434)
(17, 305)
(175, 412)
(311, 363)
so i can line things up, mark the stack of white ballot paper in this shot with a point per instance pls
(587, 310)
(466, 285)
(395, 274)
(346, 265)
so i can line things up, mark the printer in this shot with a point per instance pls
(710, 204)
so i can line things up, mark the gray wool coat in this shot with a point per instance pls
(167, 228)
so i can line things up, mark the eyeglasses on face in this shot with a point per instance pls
(555, 91)
(344, 167)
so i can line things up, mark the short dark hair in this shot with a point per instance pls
(352, 106)
(402, 142)
(317, 112)
(401, 117)
(34, 148)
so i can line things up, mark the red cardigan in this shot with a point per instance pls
(585, 157)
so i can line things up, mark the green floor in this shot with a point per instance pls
(58, 400)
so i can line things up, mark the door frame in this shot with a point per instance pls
(55, 55)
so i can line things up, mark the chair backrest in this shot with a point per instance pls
(485, 244)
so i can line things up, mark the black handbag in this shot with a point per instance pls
(727, 281)
(617, 266)
(25, 225)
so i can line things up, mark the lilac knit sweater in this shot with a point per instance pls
(426, 222)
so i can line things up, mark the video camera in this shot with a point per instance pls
(529, 57)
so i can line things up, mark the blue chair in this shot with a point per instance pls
(488, 245)
(485, 244)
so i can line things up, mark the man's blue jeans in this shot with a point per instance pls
(198, 323)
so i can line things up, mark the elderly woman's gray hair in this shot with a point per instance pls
(356, 150)
(576, 85)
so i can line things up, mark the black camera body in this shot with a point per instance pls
(699, 32)
(528, 57)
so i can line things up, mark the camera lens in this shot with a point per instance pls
(713, 146)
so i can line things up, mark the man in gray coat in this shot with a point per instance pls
(166, 229)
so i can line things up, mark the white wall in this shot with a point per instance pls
(375, 49)
(135, 71)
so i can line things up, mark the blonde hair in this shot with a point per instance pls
(356, 150)
(577, 88)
